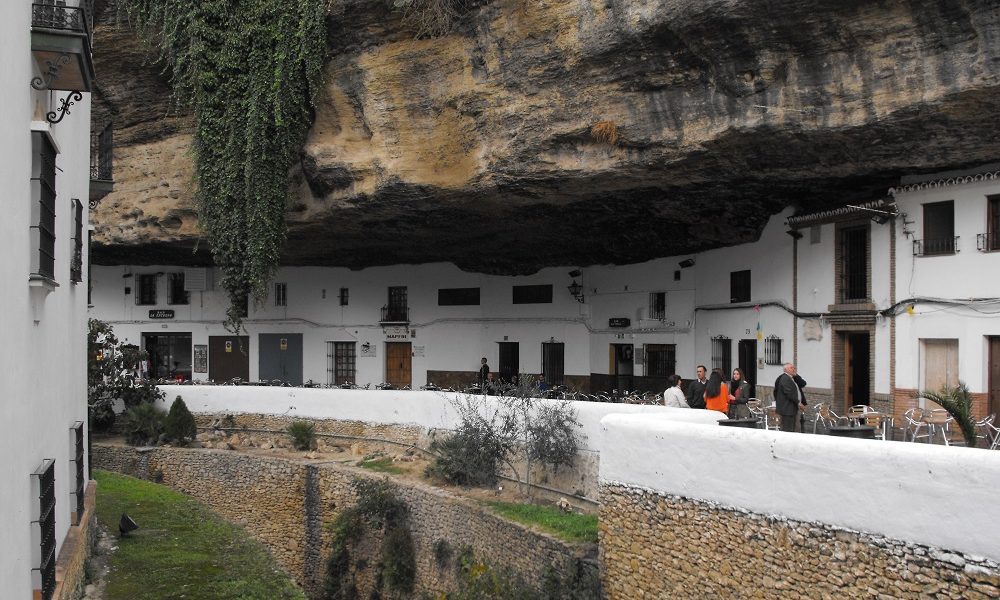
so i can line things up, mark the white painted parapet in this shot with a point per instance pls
(430, 410)
(944, 497)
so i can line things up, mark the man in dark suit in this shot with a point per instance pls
(696, 389)
(788, 397)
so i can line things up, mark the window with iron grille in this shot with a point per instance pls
(661, 360)
(340, 363)
(722, 354)
(532, 294)
(739, 286)
(46, 582)
(854, 264)
(939, 229)
(281, 294)
(458, 296)
(145, 289)
(178, 295)
(658, 305)
(344, 296)
(43, 207)
(553, 362)
(772, 350)
(76, 262)
(78, 467)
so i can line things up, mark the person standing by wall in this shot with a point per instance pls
(716, 392)
(696, 389)
(788, 397)
(484, 370)
(739, 393)
(673, 396)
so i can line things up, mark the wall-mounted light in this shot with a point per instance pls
(575, 273)
(576, 290)
(687, 262)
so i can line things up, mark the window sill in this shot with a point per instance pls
(37, 280)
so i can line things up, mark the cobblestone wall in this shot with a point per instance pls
(287, 503)
(659, 546)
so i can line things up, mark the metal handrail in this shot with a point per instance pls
(988, 242)
(936, 246)
(395, 314)
(102, 154)
(66, 18)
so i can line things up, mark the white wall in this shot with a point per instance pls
(44, 349)
(966, 274)
(893, 489)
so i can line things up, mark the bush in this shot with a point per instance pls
(102, 417)
(552, 435)
(472, 456)
(142, 425)
(179, 424)
(303, 434)
(399, 562)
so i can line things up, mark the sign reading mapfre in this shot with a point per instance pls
(619, 322)
(161, 313)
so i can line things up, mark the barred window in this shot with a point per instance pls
(77, 461)
(722, 354)
(45, 583)
(772, 350)
(178, 295)
(146, 289)
(661, 360)
(344, 296)
(340, 363)
(43, 207)
(281, 294)
(76, 261)
(658, 305)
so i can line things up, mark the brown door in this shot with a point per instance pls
(856, 369)
(397, 364)
(994, 358)
(228, 357)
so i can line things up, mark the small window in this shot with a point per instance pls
(76, 261)
(739, 286)
(281, 294)
(145, 289)
(661, 360)
(533, 294)
(815, 234)
(178, 295)
(772, 350)
(658, 305)
(992, 241)
(722, 354)
(344, 296)
(340, 363)
(458, 297)
(939, 229)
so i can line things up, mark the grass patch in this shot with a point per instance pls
(568, 526)
(182, 549)
(382, 465)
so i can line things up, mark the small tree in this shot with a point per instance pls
(958, 402)
(180, 425)
(111, 368)
(303, 434)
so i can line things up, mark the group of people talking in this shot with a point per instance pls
(713, 392)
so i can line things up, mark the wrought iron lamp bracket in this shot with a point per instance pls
(70, 99)
(43, 81)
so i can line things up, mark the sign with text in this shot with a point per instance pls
(397, 333)
(200, 358)
(619, 322)
(161, 313)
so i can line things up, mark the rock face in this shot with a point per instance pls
(484, 147)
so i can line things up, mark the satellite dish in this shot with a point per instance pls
(126, 524)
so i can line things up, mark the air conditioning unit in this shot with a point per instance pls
(197, 280)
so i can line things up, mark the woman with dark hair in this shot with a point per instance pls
(673, 396)
(716, 392)
(739, 393)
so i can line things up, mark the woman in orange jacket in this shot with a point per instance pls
(716, 392)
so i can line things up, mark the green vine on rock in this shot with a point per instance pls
(250, 70)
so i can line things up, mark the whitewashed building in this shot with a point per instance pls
(45, 173)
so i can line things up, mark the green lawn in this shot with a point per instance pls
(568, 526)
(382, 465)
(182, 549)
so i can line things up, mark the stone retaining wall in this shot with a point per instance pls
(654, 545)
(287, 503)
(76, 549)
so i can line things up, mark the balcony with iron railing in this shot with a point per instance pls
(101, 156)
(936, 246)
(988, 242)
(61, 43)
(395, 314)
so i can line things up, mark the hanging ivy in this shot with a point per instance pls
(250, 71)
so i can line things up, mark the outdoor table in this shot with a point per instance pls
(855, 431)
(749, 423)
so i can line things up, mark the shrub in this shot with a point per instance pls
(442, 553)
(471, 456)
(958, 402)
(142, 425)
(102, 417)
(552, 437)
(303, 434)
(605, 132)
(399, 563)
(179, 424)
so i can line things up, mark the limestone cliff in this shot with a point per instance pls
(480, 147)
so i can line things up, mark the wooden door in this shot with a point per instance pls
(857, 365)
(398, 361)
(748, 364)
(228, 357)
(994, 358)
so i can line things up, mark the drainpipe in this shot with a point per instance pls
(795, 300)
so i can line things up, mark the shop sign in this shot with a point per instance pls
(397, 333)
(619, 322)
(161, 313)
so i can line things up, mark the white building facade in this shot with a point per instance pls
(45, 172)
